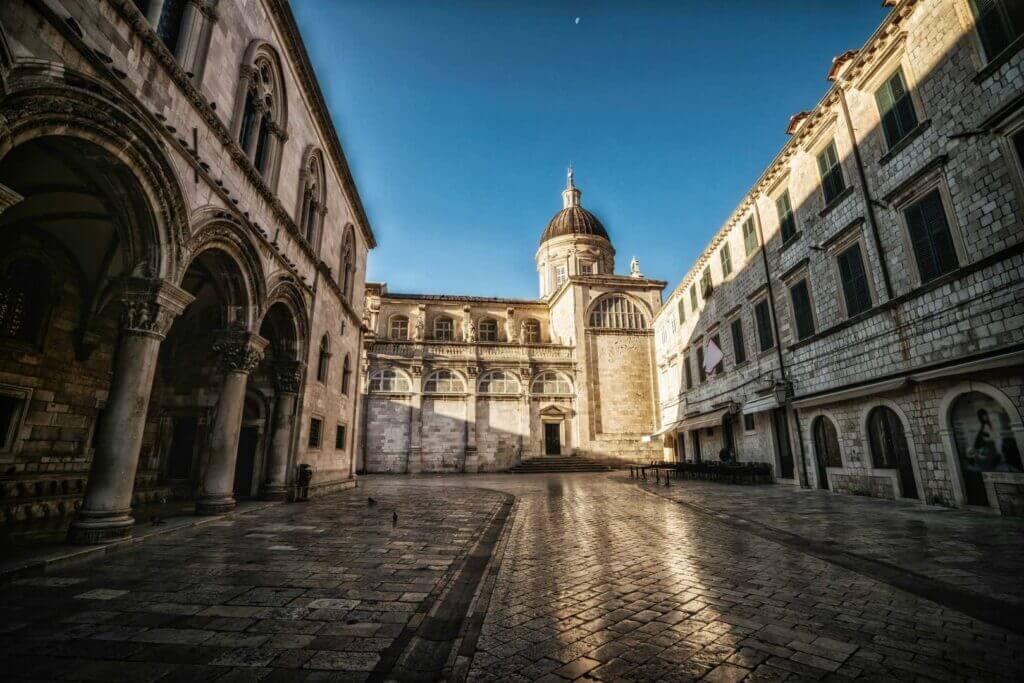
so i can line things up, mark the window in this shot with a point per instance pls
(339, 437)
(347, 265)
(705, 283)
(24, 299)
(787, 220)
(551, 382)
(499, 382)
(693, 297)
(748, 422)
(832, 181)
(763, 318)
(389, 381)
(930, 237)
(324, 359)
(444, 329)
(749, 236)
(560, 276)
(998, 23)
(617, 313)
(739, 347)
(803, 315)
(826, 442)
(346, 374)
(687, 372)
(1018, 146)
(854, 280)
(311, 206)
(10, 414)
(586, 268)
(444, 382)
(315, 432)
(885, 437)
(531, 332)
(168, 26)
(726, 258)
(681, 309)
(399, 327)
(896, 108)
(702, 376)
(488, 330)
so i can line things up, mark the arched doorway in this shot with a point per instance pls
(985, 442)
(889, 449)
(826, 448)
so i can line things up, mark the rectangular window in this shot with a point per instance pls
(896, 108)
(726, 258)
(998, 23)
(681, 309)
(749, 236)
(315, 429)
(763, 318)
(693, 297)
(444, 329)
(930, 237)
(748, 422)
(586, 268)
(1018, 146)
(802, 313)
(739, 346)
(560, 276)
(832, 181)
(10, 413)
(854, 280)
(688, 372)
(705, 283)
(339, 437)
(399, 328)
(701, 375)
(787, 220)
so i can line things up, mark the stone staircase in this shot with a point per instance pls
(558, 463)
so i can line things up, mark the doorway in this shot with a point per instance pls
(183, 446)
(248, 447)
(552, 438)
(696, 446)
(783, 448)
(889, 449)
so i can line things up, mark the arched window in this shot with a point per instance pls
(324, 359)
(826, 442)
(389, 381)
(444, 382)
(616, 312)
(499, 382)
(889, 448)
(24, 299)
(552, 383)
(399, 327)
(260, 119)
(168, 23)
(488, 330)
(347, 267)
(346, 374)
(444, 329)
(309, 216)
(531, 331)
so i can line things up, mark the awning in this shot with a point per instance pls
(647, 438)
(712, 419)
(852, 393)
(760, 404)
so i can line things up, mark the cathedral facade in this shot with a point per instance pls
(478, 384)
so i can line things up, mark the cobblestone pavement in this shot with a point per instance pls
(316, 591)
(592, 579)
(972, 551)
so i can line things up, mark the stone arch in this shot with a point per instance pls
(219, 231)
(285, 296)
(908, 434)
(948, 438)
(99, 121)
(261, 52)
(618, 310)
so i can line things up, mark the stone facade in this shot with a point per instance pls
(568, 374)
(893, 289)
(181, 282)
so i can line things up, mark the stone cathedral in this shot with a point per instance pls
(480, 384)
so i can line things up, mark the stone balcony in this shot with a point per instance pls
(481, 351)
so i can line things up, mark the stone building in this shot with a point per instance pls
(866, 294)
(184, 249)
(474, 384)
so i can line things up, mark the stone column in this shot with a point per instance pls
(289, 377)
(253, 134)
(471, 462)
(240, 353)
(149, 308)
(415, 463)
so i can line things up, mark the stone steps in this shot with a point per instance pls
(554, 464)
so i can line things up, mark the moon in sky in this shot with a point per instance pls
(577, 20)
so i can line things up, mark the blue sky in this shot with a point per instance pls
(459, 118)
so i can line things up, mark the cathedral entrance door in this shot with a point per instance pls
(552, 438)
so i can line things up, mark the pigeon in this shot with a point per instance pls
(371, 502)
(394, 519)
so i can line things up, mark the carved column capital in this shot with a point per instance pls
(150, 305)
(239, 351)
(288, 376)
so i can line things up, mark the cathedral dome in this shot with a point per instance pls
(573, 219)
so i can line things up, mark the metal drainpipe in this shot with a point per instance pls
(866, 192)
(778, 342)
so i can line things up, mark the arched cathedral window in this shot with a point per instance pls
(347, 267)
(346, 374)
(311, 197)
(323, 359)
(616, 312)
(552, 383)
(260, 120)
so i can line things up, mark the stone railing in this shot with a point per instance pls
(462, 350)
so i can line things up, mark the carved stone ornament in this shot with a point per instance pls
(240, 351)
(526, 374)
(149, 306)
(288, 376)
(472, 370)
(510, 326)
